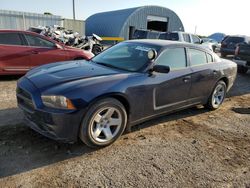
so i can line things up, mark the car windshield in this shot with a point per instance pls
(126, 56)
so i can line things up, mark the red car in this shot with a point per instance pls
(22, 50)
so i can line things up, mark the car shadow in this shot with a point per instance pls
(22, 149)
(10, 77)
(242, 110)
(241, 85)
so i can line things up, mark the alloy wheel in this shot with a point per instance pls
(218, 95)
(105, 124)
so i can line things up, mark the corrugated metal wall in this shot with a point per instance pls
(75, 25)
(117, 23)
(23, 20)
(139, 19)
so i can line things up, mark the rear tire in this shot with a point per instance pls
(104, 123)
(241, 69)
(217, 97)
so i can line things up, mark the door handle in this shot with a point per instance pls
(186, 79)
(34, 52)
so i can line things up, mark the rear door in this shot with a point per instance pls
(14, 54)
(44, 51)
(205, 73)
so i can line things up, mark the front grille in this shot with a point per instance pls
(24, 99)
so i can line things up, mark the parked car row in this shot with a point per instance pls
(126, 84)
(176, 36)
(23, 50)
(239, 47)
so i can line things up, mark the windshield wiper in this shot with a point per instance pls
(107, 65)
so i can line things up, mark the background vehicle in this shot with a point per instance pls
(229, 44)
(22, 50)
(174, 36)
(181, 36)
(212, 44)
(134, 85)
(242, 57)
(146, 34)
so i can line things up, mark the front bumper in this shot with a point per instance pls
(57, 125)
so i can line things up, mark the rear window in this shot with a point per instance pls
(10, 39)
(235, 39)
(172, 36)
(196, 40)
(209, 58)
(186, 37)
(152, 35)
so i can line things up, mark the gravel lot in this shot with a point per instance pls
(191, 148)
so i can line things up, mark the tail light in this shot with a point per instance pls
(237, 50)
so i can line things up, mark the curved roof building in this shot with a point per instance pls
(123, 23)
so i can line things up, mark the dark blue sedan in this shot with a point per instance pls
(127, 84)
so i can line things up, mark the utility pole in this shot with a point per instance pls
(195, 29)
(74, 14)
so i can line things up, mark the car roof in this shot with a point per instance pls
(166, 43)
(27, 32)
(16, 31)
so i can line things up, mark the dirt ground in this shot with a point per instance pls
(191, 148)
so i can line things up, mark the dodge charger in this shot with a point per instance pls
(127, 84)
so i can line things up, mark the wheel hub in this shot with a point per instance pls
(106, 124)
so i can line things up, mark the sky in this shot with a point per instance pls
(207, 16)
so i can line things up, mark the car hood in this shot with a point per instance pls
(54, 74)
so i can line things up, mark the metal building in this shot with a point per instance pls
(123, 23)
(23, 20)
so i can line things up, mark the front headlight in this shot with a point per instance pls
(60, 102)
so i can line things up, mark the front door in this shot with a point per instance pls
(44, 51)
(172, 89)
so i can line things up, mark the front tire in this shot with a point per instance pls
(217, 97)
(104, 123)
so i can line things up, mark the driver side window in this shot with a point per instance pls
(175, 58)
(38, 42)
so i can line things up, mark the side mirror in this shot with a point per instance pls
(161, 69)
(201, 41)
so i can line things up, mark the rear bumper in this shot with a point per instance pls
(242, 63)
(227, 51)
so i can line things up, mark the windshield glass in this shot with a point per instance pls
(126, 56)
